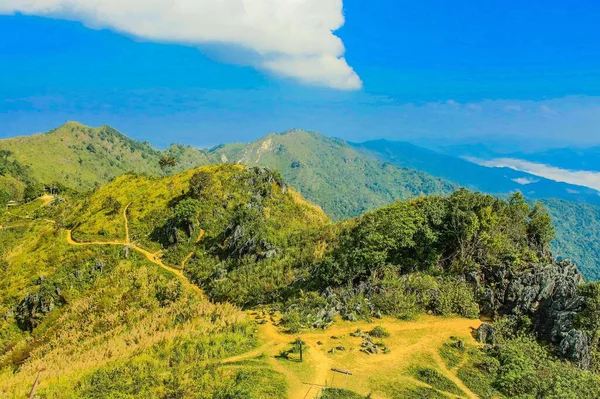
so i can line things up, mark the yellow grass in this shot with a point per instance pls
(412, 343)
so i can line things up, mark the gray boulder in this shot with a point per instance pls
(486, 334)
(576, 348)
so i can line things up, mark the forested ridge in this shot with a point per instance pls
(345, 180)
(78, 284)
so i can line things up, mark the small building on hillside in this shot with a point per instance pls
(12, 203)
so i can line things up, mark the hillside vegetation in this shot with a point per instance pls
(577, 234)
(331, 173)
(93, 313)
(135, 291)
(344, 180)
(574, 209)
(80, 157)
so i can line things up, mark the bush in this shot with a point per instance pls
(111, 205)
(456, 297)
(199, 183)
(379, 332)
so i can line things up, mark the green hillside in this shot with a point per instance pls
(135, 290)
(14, 178)
(329, 172)
(577, 234)
(574, 209)
(93, 291)
(80, 157)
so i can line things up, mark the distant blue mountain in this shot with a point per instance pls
(564, 158)
(473, 176)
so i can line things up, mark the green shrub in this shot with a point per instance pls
(379, 332)
(456, 297)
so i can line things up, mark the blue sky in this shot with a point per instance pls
(522, 72)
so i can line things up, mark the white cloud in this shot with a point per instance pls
(578, 177)
(293, 38)
(525, 180)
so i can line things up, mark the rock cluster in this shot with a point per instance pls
(548, 295)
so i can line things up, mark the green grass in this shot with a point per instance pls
(437, 380)
(477, 381)
(451, 354)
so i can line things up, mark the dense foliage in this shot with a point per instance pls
(462, 233)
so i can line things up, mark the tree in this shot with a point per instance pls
(32, 191)
(186, 213)
(167, 163)
(199, 182)
(540, 230)
(111, 205)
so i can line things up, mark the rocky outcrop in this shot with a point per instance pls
(486, 334)
(575, 347)
(548, 295)
(32, 309)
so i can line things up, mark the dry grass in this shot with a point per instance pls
(411, 343)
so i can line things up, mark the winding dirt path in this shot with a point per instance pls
(152, 257)
(410, 342)
(189, 256)
(451, 375)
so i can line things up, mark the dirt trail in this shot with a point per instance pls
(409, 341)
(46, 199)
(127, 239)
(451, 375)
(152, 257)
(189, 256)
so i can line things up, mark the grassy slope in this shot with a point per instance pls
(151, 197)
(79, 157)
(331, 173)
(123, 327)
(115, 315)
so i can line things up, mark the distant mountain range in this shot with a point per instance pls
(474, 176)
(566, 158)
(344, 179)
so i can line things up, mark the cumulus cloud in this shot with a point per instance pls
(292, 38)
